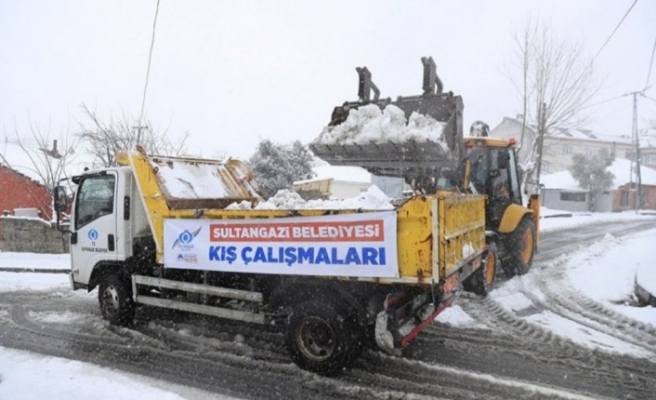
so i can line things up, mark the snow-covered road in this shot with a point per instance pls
(568, 329)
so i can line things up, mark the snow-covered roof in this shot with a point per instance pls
(586, 134)
(620, 168)
(339, 173)
(560, 180)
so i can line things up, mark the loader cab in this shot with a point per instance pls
(494, 173)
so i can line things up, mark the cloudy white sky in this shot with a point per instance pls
(232, 73)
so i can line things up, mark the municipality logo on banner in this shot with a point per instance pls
(185, 239)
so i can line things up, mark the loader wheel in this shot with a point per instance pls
(521, 246)
(480, 282)
(320, 339)
(115, 298)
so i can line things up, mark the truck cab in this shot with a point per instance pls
(105, 221)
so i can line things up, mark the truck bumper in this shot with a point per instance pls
(395, 328)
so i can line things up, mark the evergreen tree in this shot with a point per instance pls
(591, 173)
(277, 166)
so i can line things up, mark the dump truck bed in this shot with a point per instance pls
(423, 240)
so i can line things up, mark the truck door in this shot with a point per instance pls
(93, 237)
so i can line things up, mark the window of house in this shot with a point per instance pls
(591, 151)
(630, 155)
(650, 159)
(572, 196)
(567, 149)
(624, 198)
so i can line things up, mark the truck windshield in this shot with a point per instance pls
(95, 198)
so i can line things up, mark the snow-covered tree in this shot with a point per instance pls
(592, 173)
(277, 166)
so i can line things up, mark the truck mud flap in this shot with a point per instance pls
(396, 328)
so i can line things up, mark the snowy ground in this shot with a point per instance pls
(604, 272)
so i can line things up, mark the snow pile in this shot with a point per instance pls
(550, 222)
(368, 124)
(372, 199)
(60, 378)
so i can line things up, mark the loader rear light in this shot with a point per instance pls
(512, 141)
(451, 283)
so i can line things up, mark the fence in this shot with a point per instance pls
(32, 235)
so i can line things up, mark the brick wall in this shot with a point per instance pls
(625, 197)
(31, 235)
(19, 191)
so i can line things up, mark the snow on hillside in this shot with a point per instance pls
(368, 124)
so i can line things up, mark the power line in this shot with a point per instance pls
(651, 63)
(615, 30)
(150, 57)
(604, 101)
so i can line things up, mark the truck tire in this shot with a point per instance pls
(320, 338)
(480, 282)
(115, 298)
(521, 247)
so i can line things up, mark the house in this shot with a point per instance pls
(560, 144)
(562, 192)
(336, 182)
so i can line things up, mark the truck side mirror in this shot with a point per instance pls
(61, 200)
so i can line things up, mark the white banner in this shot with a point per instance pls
(332, 245)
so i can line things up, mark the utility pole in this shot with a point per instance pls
(635, 161)
(139, 128)
(542, 116)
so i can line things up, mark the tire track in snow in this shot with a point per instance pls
(570, 303)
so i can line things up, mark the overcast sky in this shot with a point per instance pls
(234, 72)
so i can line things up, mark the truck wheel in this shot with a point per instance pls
(115, 298)
(521, 246)
(320, 338)
(480, 282)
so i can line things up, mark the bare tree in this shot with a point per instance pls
(44, 159)
(554, 79)
(106, 138)
(48, 154)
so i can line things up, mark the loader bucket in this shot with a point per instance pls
(405, 152)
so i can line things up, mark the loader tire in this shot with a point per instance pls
(480, 282)
(115, 298)
(521, 247)
(320, 338)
